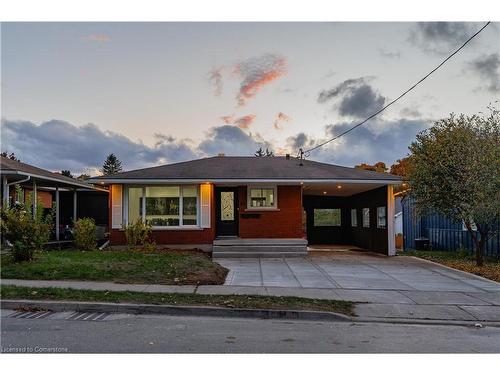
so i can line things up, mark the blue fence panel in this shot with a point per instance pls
(443, 233)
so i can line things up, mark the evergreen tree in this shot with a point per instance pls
(111, 165)
(66, 173)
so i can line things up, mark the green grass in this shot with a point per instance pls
(181, 299)
(461, 261)
(122, 266)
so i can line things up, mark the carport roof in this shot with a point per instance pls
(241, 168)
(13, 168)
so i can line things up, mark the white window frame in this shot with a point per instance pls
(274, 207)
(363, 217)
(385, 221)
(354, 223)
(159, 227)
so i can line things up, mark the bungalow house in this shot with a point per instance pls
(237, 206)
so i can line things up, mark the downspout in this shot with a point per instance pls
(17, 182)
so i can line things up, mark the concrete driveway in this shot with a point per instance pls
(352, 270)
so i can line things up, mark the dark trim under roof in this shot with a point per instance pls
(234, 168)
(9, 167)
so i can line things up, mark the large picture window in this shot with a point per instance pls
(164, 206)
(327, 217)
(261, 197)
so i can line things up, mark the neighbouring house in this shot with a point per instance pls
(442, 233)
(71, 198)
(238, 206)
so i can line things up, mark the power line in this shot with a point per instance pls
(302, 152)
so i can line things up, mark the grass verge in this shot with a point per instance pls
(181, 299)
(461, 261)
(122, 266)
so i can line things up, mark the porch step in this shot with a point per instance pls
(259, 247)
(257, 254)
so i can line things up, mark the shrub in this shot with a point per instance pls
(26, 232)
(85, 234)
(138, 233)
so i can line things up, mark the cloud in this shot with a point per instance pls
(215, 79)
(231, 140)
(96, 38)
(389, 54)
(256, 72)
(300, 140)
(440, 37)
(380, 141)
(488, 68)
(357, 98)
(280, 119)
(241, 122)
(57, 145)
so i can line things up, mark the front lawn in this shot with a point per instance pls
(461, 261)
(182, 299)
(122, 266)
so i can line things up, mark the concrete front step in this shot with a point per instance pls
(259, 247)
(257, 254)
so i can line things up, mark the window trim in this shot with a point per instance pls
(363, 217)
(355, 211)
(385, 217)
(274, 207)
(181, 213)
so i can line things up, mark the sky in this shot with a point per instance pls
(156, 93)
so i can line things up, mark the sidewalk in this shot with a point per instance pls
(381, 304)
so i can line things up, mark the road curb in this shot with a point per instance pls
(128, 308)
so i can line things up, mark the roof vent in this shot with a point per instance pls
(221, 154)
(287, 156)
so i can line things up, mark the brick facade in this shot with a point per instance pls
(286, 222)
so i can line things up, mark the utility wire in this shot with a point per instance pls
(302, 152)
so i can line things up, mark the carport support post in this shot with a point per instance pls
(391, 239)
(74, 206)
(57, 214)
(5, 192)
(34, 199)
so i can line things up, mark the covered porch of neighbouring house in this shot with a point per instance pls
(53, 191)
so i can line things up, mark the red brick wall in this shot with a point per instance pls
(285, 223)
(172, 236)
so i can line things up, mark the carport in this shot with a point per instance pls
(46, 185)
(354, 214)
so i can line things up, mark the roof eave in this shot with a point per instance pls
(107, 181)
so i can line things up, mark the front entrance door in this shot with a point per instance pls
(226, 211)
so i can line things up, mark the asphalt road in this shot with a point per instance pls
(173, 334)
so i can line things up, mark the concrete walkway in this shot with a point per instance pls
(383, 304)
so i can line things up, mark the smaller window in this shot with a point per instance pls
(327, 217)
(262, 197)
(366, 217)
(354, 217)
(381, 217)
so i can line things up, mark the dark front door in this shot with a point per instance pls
(226, 211)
